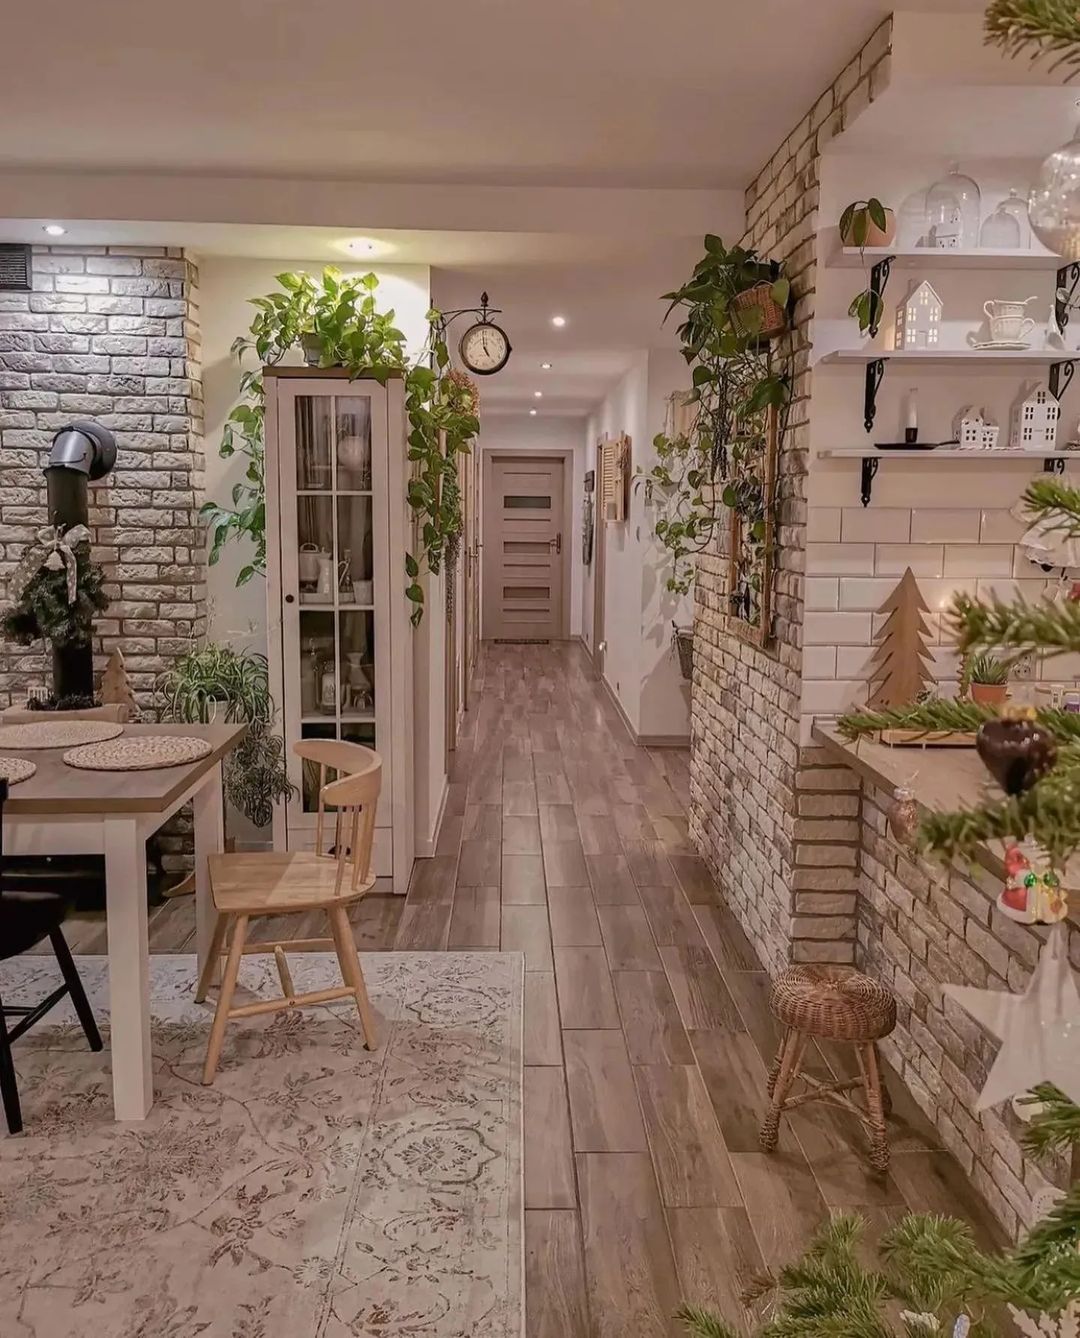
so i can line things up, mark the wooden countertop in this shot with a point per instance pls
(945, 780)
(59, 789)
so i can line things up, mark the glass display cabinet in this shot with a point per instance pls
(338, 630)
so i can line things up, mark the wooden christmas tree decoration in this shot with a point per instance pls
(115, 687)
(898, 668)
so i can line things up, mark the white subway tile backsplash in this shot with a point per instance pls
(923, 559)
(819, 662)
(861, 592)
(821, 592)
(839, 559)
(945, 662)
(836, 629)
(853, 661)
(1008, 589)
(944, 527)
(823, 525)
(875, 524)
(999, 527)
(978, 560)
(832, 698)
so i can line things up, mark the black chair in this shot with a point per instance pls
(25, 919)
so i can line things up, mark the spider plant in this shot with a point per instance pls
(215, 682)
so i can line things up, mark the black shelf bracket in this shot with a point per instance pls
(875, 372)
(1068, 279)
(870, 465)
(1054, 464)
(1061, 374)
(879, 279)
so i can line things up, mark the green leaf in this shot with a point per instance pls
(412, 567)
(781, 292)
(876, 210)
(702, 376)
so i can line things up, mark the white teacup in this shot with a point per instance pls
(1010, 329)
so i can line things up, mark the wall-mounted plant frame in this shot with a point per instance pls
(752, 541)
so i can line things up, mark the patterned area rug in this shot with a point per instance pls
(314, 1189)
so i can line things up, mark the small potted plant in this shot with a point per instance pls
(867, 223)
(988, 679)
(682, 641)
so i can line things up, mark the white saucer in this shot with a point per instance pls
(999, 344)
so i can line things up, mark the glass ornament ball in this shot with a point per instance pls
(1054, 202)
(953, 211)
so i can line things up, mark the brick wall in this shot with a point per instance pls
(921, 924)
(745, 759)
(112, 334)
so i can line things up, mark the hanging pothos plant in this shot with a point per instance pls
(337, 322)
(711, 458)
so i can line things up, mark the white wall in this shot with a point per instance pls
(518, 433)
(639, 666)
(226, 283)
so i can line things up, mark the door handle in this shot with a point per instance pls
(557, 541)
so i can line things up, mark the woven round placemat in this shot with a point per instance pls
(15, 769)
(138, 752)
(58, 733)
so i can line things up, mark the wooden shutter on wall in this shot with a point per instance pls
(615, 477)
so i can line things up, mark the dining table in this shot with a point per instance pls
(64, 811)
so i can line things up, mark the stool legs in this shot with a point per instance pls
(774, 1071)
(787, 1064)
(875, 1111)
(225, 998)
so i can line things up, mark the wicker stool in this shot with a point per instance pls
(832, 1004)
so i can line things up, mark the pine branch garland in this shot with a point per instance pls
(1036, 28)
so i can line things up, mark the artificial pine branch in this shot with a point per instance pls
(1046, 628)
(1050, 498)
(1056, 1128)
(703, 1325)
(1036, 28)
(934, 716)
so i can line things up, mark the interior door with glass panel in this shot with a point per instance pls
(525, 547)
(334, 584)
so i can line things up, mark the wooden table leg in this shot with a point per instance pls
(209, 814)
(129, 969)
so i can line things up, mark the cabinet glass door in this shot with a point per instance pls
(333, 567)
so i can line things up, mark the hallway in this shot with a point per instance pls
(647, 1035)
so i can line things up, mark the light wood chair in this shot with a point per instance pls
(246, 885)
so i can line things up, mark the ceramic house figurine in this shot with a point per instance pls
(918, 319)
(974, 433)
(1035, 422)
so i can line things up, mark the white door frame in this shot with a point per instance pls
(493, 453)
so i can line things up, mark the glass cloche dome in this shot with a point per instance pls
(953, 211)
(1054, 202)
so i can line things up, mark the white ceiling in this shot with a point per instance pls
(565, 155)
(604, 92)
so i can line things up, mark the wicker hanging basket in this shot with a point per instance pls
(773, 316)
(684, 644)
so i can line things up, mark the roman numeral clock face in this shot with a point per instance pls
(484, 348)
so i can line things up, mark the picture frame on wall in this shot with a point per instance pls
(752, 544)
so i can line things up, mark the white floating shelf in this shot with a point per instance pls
(926, 257)
(1032, 357)
(945, 453)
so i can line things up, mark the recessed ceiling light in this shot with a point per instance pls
(558, 321)
(54, 229)
(545, 366)
(538, 394)
(532, 413)
(365, 246)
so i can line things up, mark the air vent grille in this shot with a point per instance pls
(15, 273)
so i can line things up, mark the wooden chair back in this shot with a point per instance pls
(353, 793)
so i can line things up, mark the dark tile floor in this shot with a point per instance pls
(647, 1033)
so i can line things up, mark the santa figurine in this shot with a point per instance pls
(1032, 893)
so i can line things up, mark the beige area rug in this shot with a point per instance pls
(314, 1189)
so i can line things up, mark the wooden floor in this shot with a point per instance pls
(647, 1035)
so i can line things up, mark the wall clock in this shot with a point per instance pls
(484, 348)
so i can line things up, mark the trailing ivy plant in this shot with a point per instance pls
(714, 460)
(337, 321)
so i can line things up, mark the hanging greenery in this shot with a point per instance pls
(738, 375)
(1035, 28)
(336, 320)
(44, 607)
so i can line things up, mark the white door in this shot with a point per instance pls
(525, 547)
(335, 584)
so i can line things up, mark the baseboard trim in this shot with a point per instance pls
(643, 740)
(426, 847)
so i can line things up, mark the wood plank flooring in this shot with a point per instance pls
(647, 1036)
